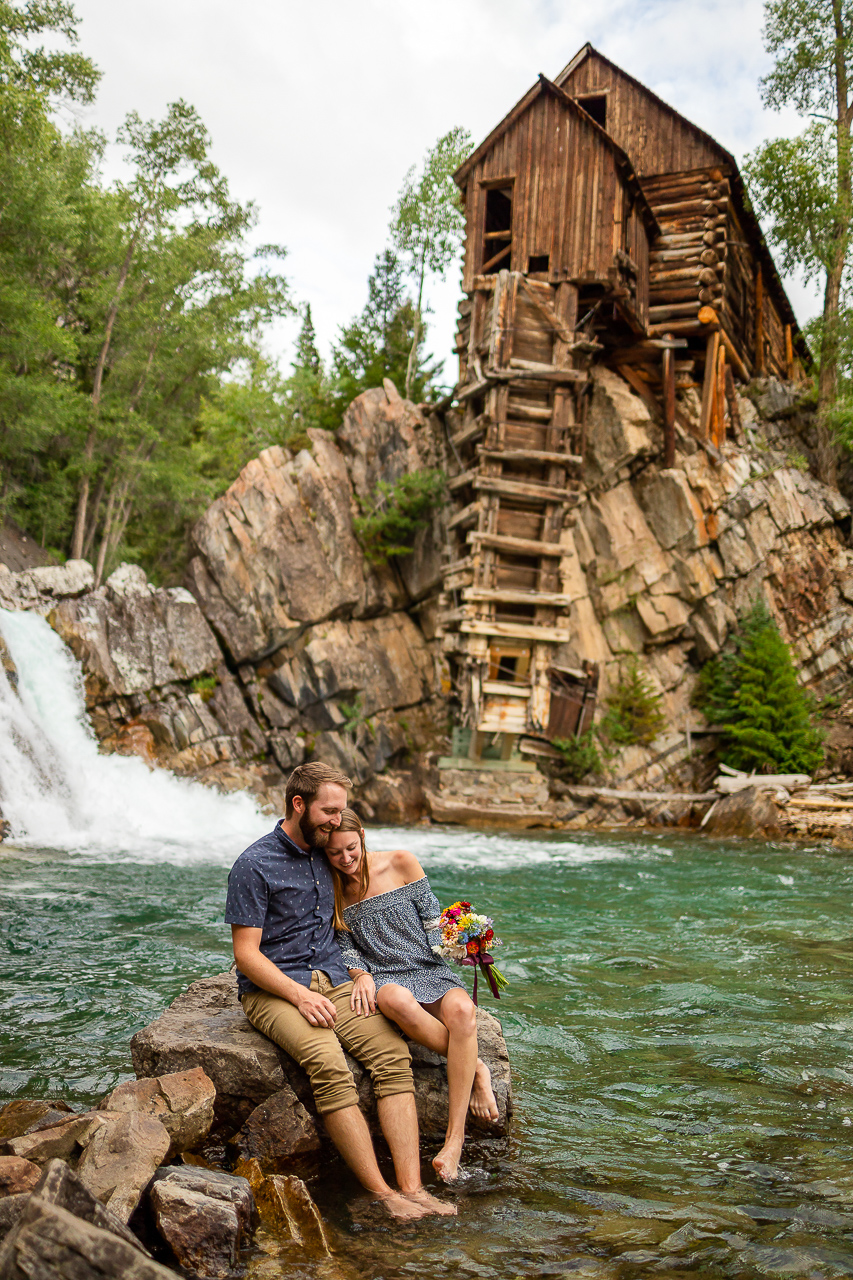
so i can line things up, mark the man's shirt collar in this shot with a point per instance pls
(290, 845)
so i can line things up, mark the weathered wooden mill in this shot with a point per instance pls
(601, 226)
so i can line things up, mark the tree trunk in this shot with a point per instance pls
(413, 353)
(827, 391)
(97, 387)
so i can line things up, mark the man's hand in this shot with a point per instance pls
(315, 1008)
(363, 997)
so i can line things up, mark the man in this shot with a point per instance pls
(295, 989)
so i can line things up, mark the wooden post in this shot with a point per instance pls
(758, 362)
(710, 383)
(789, 352)
(720, 398)
(668, 407)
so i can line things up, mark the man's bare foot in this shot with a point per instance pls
(446, 1163)
(483, 1103)
(403, 1207)
(430, 1204)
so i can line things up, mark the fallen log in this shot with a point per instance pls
(613, 793)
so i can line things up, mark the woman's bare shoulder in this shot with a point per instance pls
(405, 864)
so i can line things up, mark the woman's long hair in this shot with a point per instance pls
(350, 821)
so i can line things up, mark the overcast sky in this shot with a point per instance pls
(317, 109)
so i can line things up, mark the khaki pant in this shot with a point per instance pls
(372, 1040)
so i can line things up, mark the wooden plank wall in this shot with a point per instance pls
(656, 138)
(569, 197)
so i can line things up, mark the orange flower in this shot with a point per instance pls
(473, 947)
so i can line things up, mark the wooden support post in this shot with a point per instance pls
(789, 352)
(758, 362)
(710, 384)
(720, 398)
(669, 408)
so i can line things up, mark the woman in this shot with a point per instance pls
(387, 919)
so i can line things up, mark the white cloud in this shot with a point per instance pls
(318, 109)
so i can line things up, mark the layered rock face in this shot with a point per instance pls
(659, 563)
(286, 644)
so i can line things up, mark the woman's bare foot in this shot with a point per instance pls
(403, 1207)
(430, 1203)
(483, 1103)
(446, 1163)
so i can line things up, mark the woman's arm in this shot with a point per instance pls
(429, 909)
(353, 958)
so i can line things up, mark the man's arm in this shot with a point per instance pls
(255, 966)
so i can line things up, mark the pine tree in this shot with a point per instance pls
(309, 397)
(377, 343)
(753, 693)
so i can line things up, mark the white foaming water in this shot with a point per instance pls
(58, 791)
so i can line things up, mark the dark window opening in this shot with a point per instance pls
(497, 236)
(506, 667)
(595, 106)
(537, 262)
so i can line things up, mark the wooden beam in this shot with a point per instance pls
(515, 631)
(544, 373)
(466, 516)
(642, 388)
(668, 409)
(474, 429)
(547, 312)
(459, 482)
(709, 384)
(759, 322)
(524, 546)
(531, 455)
(720, 398)
(789, 353)
(508, 596)
(517, 489)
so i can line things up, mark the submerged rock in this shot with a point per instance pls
(286, 1208)
(206, 1027)
(203, 1215)
(751, 812)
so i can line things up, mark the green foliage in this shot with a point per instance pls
(751, 690)
(309, 397)
(634, 712)
(205, 687)
(580, 756)
(427, 222)
(376, 344)
(396, 512)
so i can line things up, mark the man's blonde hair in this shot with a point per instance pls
(307, 779)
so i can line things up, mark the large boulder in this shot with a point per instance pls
(120, 1157)
(206, 1027)
(48, 1242)
(17, 1175)
(182, 1101)
(747, 813)
(203, 1215)
(132, 637)
(277, 552)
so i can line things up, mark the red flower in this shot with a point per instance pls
(488, 935)
(473, 947)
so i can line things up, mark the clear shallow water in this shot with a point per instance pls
(680, 1023)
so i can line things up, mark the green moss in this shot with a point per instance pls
(205, 687)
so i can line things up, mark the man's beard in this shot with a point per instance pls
(315, 837)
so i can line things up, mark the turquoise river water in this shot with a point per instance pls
(680, 1023)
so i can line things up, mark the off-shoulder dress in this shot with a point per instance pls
(392, 935)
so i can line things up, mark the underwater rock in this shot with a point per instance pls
(203, 1215)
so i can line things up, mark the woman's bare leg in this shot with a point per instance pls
(453, 1033)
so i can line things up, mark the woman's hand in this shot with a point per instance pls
(363, 996)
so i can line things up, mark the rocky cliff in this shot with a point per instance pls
(287, 644)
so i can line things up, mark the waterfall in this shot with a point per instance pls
(58, 791)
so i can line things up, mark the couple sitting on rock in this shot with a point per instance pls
(331, 943)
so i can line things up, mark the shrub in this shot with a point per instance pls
(394, 514)
(580, 756)
(634, 710)
(751, 691)
(205, 687)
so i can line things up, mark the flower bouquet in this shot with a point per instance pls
(468, 938)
